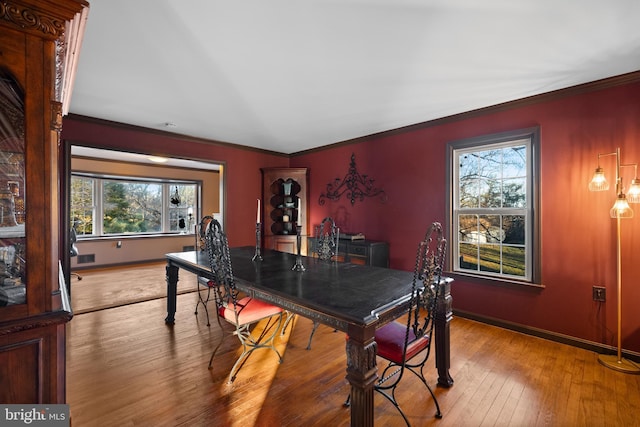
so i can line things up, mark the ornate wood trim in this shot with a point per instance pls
(41, 321)
(27, 18)
(56, 117)
(65, 27)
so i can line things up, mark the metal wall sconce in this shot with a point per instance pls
(355, 185)
(175, 199)
(620, 209)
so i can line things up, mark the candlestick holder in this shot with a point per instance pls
(257, 256)
(298, 265)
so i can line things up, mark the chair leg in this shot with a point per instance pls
(249, 343)
(313, 331)
(288, 320)
(203, 301)
(77, 275)
(420, 375)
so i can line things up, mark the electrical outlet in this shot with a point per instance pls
(119, 244)
(599, 293)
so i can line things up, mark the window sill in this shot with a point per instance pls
(493, 281)
(133, 236)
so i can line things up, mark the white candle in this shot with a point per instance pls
(258, 213)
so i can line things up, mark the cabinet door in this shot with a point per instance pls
(13, 255)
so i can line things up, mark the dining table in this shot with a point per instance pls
(353, 298)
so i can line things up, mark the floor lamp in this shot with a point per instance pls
(620, 210)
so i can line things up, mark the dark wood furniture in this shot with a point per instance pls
(365, 252)
(39, 41)
(285, 207)
(352, 298)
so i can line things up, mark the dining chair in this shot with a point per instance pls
(406, 346)
(243, 313)
(325, 249)
(73, 248)
(202, 282)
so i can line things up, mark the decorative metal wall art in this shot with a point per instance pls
(355, 185)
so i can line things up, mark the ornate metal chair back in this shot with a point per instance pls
(217, 247)
(328, 236)
(427, 275)
(201, 231)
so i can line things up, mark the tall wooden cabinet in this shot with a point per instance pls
(39, 42)
(285, 201)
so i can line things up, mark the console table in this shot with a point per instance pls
(365, 252)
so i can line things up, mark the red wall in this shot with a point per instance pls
(577, 235)
(241, 172)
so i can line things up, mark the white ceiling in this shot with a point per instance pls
(291, 75)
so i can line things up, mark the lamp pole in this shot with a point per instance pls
(617, 362)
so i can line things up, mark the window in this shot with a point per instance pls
(493, 183)
(103, 206)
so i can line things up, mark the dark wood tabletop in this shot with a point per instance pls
(334, 293)
(356, 299)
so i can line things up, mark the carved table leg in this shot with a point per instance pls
(444, 314)
(172, 290)
(361, 374)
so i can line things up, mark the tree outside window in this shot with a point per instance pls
(131, 207)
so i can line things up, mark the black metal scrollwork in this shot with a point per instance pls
(356, 186)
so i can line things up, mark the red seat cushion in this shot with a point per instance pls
(390, 340)
(249, 310)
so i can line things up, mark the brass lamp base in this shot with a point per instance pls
(622, 364)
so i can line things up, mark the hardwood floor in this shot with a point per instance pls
(125, 367)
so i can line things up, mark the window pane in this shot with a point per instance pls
(468, 257)
(182, 202)
(514, 193)
(513, 260)
(490, 194)
(490, 163)
(513, 227)
(514, 162)
(82, 205)
(490, 258)
(468, 166)
(468, 193)
(468, 228)
(132, 207)
(490, 230)
(468, 182)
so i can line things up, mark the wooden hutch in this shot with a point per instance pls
(285, 201)
(39, 44)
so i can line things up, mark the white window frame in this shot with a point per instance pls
(530, 139)
(168, 186)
